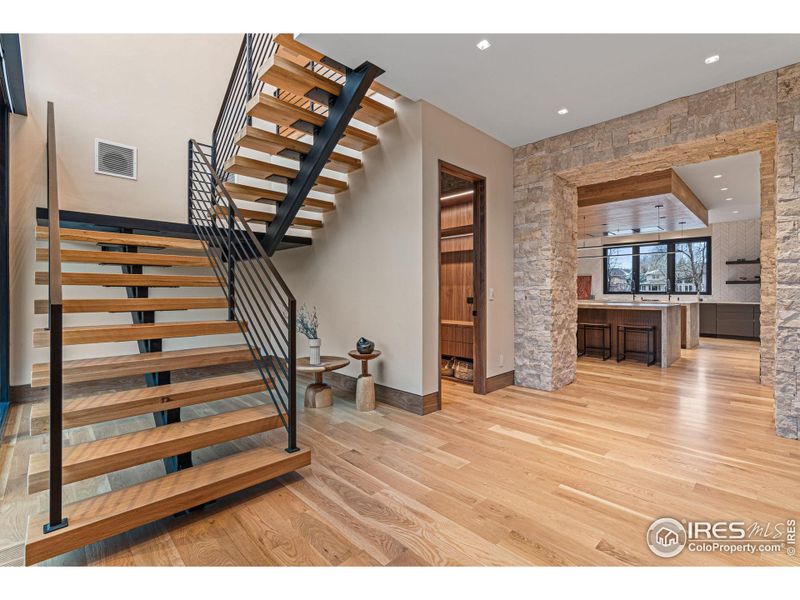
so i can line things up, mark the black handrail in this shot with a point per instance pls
(243, 85)
(258, 297)
(55, 325)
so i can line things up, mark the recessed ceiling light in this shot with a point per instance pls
(723, 189)
(712, 59)
(563, 111)
(728, 199)
(717, 176)
(736, 212)
(483, 44)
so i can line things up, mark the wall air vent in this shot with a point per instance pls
(117, 160)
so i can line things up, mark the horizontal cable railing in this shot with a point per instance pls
(243, 85)
(258, 298)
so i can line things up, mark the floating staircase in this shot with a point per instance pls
(293, 124)
(306, 121)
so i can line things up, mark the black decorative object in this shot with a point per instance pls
(364, 346)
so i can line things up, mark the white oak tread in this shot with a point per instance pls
(127, 258)
(108, 406)
(109, 367)
(126, 280)
(288, 42)
(109, 514)
(119, 305)
(280, 112)
(268, 217)
(98, 334)
(128, 239)
(259, 169)
(273, 143)
(251, 193)
(288, 75)
(107, 455)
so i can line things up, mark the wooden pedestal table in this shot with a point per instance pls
(319, 394)
(365, 385)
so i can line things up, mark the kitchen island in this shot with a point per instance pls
(666, 316)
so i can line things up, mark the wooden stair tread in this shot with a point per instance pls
(287, 75)
(112, 513)
(266, 217)
(273, 143)
(287, 41)
(109, 367)
(119, 405)
(127, 258)
(250, 167)
(280, 112)
(252, 193)
(127, 280)
(118, 305)
(128, 239)
(107, 455)
(98, 334)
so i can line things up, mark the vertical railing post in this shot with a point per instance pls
(248, 53)
(189, 185)
(231, 266)
(55, 323)
(292, 385)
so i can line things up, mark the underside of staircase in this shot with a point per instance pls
(299, 131)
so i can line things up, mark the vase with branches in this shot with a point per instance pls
(308, 325)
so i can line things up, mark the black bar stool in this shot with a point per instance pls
(605, 348)
(649, 354)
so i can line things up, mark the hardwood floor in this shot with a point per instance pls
(517, 477)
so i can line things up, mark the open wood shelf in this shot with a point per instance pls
(740, 282)
(454, 231)
(457, 323)
(755, 261)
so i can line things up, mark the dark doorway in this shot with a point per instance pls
(462, 277)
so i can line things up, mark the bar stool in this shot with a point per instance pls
(605, 349)
(649, 354)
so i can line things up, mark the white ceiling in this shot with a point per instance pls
(740, 174)
(513, 89)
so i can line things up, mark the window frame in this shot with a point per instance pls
(670, 243)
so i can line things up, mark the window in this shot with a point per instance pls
(619, 270)
(653, 269)
(676, 266)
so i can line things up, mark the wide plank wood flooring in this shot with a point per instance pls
(518, 477)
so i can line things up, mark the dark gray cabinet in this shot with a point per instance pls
(708, 319)
(730, 320)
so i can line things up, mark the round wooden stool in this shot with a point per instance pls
(319, 394)
(365, 385)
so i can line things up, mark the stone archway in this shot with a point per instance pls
(760, 113)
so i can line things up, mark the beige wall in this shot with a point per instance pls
(363, 271)
(373, 268)
(451, 140)
(149, 91)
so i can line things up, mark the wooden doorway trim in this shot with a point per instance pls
(478, 274)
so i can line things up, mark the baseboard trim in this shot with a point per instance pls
(497, 382)
(414, 403)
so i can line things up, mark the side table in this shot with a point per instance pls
(319, 394)
(365, 385)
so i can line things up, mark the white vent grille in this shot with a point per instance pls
(117, 160)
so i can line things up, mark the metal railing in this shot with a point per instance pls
(55, 325)
(244, 83)
(258, 298)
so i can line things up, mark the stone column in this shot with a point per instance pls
(545, 251)
(787, 212)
